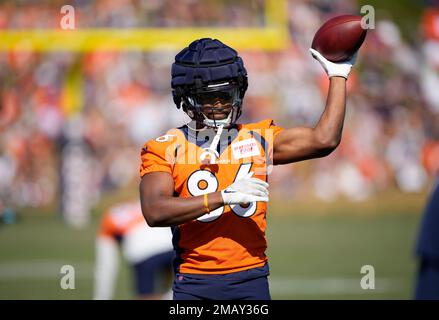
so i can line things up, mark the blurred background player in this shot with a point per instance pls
(147, 250)
(427, 250)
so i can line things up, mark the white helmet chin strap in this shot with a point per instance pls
(219, 125)
(211, 151)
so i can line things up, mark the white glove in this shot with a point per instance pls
(246, 190)
(333, 69)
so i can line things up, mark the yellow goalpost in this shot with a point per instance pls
(273, 36)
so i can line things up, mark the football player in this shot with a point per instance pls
(207, 179)
(147, 250)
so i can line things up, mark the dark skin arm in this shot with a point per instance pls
(297, 144)
(161, 209)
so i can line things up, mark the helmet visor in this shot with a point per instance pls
(216, 94)
(223, 97)
(216, 104)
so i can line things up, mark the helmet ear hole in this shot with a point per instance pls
(176, 96)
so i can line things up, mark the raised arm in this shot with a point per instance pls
(297, 144)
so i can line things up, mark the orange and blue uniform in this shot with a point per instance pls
(231, 238)
(147, 250)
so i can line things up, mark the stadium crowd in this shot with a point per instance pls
(391, 136)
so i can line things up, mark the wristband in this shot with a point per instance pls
(206, 204)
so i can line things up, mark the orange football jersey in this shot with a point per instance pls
(230, 238)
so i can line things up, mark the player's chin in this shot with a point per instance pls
(218, 116)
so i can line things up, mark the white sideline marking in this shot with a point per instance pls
(42, 269)
(50, 269)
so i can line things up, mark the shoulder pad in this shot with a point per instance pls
(160, 144)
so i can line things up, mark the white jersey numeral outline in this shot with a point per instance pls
(212, 183)
(165, 137)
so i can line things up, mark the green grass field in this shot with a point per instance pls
(316, 251)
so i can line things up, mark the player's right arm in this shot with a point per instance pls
(161, 209)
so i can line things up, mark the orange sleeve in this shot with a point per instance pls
(270, 131)
(267, 127)
(155, 157)
(276, 129)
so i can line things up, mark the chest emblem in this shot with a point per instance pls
(245, 148)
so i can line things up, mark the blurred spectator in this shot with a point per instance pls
(76, 175)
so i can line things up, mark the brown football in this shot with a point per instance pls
(339, 38)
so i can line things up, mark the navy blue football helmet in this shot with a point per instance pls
(209, 75)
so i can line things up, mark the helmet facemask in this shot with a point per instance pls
(214, 105)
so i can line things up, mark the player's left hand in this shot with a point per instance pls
(246, 190)
(334, 69)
